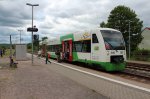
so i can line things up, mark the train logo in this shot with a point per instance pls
(86, 35)
(96, 48)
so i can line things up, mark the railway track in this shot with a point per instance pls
(133, 71)
(137, 69)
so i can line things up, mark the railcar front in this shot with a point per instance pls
(115, 57)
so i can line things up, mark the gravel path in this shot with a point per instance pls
(39, 82)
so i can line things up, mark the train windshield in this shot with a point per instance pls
(113, 40)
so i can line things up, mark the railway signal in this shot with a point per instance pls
(36, 37)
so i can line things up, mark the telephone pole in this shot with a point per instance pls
(20, 34)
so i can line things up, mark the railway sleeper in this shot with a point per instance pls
(137, 72)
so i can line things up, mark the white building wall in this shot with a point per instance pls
(145, 44)
(21, 50)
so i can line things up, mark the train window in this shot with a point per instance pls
(86, 46)
(113, 40)
(94, 38)
(60, 47)
(78, 46)
(56, 47)
(82, 46)
(52, 48)
(49, 47)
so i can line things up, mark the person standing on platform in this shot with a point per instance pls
(1, 52)
(47, 58)
(58, 55)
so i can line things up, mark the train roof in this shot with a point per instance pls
(107, 29)
(57, 39)
(95, 29)
(91, 29)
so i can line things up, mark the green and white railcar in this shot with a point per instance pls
(103, 47)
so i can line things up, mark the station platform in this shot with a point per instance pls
(38, 81)
(66, 81)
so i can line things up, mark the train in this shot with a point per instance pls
(103, 47)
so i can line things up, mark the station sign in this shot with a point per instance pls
(32, 29)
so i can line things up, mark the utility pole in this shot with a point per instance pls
(20, 34)
(10, 52)
(10, 47)
(129, 39)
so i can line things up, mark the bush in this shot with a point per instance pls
(142, 55)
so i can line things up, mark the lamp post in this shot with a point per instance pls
(20, 34)
(32, 5)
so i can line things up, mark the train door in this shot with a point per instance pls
(94, 48)
(67, 50)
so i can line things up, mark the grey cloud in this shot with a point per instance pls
(4, 40)
(12, 16)
(5, 30)
(64, 16)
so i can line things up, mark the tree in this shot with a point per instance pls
(36, 44)
(43, 38)
(103, 24)
(120, 18)
(29, 45)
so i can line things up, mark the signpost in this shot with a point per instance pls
(33, 29)
(30, 29)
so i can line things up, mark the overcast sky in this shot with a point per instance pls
(57, 17)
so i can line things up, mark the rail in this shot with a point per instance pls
(138, 69)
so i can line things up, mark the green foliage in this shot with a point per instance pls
(103, 24)
(29, 45)
(143, 55)
(4, 46)
(43, 38)
(119, 19)
(36, 45)
(13, 46)
(7, 52)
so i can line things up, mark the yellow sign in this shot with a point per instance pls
(85, 36)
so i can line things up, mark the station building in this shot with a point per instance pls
(145, 43)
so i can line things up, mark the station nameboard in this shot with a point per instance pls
(32, 29)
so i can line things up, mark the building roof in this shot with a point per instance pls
(148, 28)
